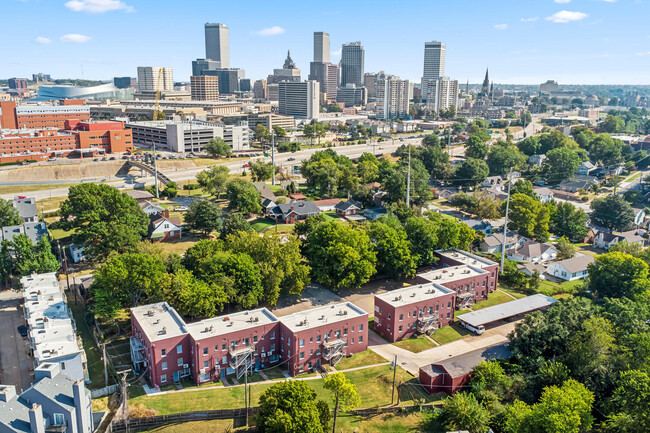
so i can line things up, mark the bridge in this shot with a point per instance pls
(149, 169)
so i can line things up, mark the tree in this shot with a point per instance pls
(612, 124)
(436, 161)
(523, 186)
(236, 271)
(344, 394)
(476, 148)
(606, 150)
(422, 233)
(214, 179)
(106, 220)
(612, 212)
(392, 247)
(234, 223)
(471, 172)
(561, 163)
(529, 217)
(529, 146)
(8, 214)
(279, 132)
(618, 275)
(631, 404)
(21, 257)
(171, 190)
(462, 411)
(565, 249)
(218, 147)
(340, 255)
(260, 170)
(319, 131)
(431, 140)
(395, 182)
(261, 134)
(489, 377)
(289, 406)
(204, 216)
(569, 221)
(193, 297)
(308, 132)
(243, 197)
(367, 171)
(126, 280)
(503, 157)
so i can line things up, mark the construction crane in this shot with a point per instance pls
(157, 115)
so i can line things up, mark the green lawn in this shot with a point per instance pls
(330, 216)
(514, 292)
(447, 334)
(274, 373)
(260, 224)
(494, 298)
(359, 360)
(633, 177)
(374, 385)
(550, 288)
(415, 345)
(17, 189)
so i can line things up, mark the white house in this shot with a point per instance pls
(77, 253)
(163, 228)
(533, 252)
(493, 182)
(150, 208)
(493, 244)
(585, 168)
(545, 195)
(571, 269)
(537, 160)
(605, 240)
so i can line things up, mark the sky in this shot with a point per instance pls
(520, 41)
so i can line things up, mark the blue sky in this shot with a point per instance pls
(521, 41)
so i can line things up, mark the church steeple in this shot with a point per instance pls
(485, 90)
(288, 63)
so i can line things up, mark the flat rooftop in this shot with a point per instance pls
(38, 280)
(230, 323)
(55, 310)
(452, 273)
(463, 364)
(55, 349)
(412, 294)
(62, 331)
(466, 258)
(316, 317)
(159, 321)
(506, 310)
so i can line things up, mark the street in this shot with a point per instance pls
(15, 362)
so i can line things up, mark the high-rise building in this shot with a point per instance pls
(352, 95)
(321, 47)
(352, 60)
(288, 72)
(123, 82)
(41, 77)
(392, 97)
(369, 83)
(245, 85)
(200, 65)
(443, 94)
(259, 89)
(434, 63)
(299, 99)
(155, 78)
(228, 79)
(204, 88)
(217, 45)
(17, 83)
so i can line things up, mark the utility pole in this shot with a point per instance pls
(392, 397)
(449, 141)
(155, 169)
(105, 363)
(408, 181)
(246, 390)
(125, 402)
(273, 154)
(505, 225)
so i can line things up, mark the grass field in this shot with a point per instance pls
(514, 292)
(553, 289)
(17, 189)
(359, 360)
(415, 345)
(495, 298)
(633, 177)
(180, 246)
(447, 334)
(373, 383)
(261, 224)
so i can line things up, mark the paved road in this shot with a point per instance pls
(15, 362)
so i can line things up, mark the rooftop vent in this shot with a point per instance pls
(164, 330)
(149, 312)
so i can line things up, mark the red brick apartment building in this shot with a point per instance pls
(412, 310)
(41, 116)
(169, 350)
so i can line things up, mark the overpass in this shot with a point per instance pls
(149, 169)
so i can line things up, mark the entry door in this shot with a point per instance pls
(177, 377)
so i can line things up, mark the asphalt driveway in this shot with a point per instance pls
(15, 363)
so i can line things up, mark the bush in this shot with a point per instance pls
(191, 186)
(584, 198)
(280, 192)
(138, 410)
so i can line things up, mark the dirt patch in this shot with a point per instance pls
(42, 172)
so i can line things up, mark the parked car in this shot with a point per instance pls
(51, 158)
(291, 159)
(25, 163)
(246, 165)
(23, 331)
(181, 209)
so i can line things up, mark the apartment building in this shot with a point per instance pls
(41, 116)
(204, 88)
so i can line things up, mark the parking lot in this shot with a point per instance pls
(15, 363)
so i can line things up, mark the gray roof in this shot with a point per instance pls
(531, 249)
(507, 309)
(138, 195)
(26, 207)
(542, 191)
(463, 364)
(345, 205)
(34, 231)
(477, 224)
(494, 240)
(306, 208)
(577, 263)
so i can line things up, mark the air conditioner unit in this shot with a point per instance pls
(263, 355)
(204, 370)
(186, 365)
(269, 354)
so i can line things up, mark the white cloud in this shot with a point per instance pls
(647, 53)
(562, 1)
(567, 16)
(271, 31)
(42, 40)
(98, 6)
(529, 20)
(76, 38)
(501, 26)
(338, 53)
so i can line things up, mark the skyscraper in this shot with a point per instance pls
(204, 88)
(217, 45)
(155, 78)
(321, 47)
(392, 96)
(434, 63)
(352, 59)
(299, 99)
(443, 94)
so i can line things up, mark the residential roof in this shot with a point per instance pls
(345, 205)
(577, 263)
(159, 321)
(477, 224)
(34, 231)
(531, 249)
(540, 190)
(297, 196)
(327, 202)
(531, 267)
(506, 310)
(463, 364)
(451, 273)
(138, 195)
(305, 208)
(147, 203)
(466, 257)
(494, 240)
(230, 323)
(316, 317)
(267, 202)
(26, 207)
(411, 294)
(156, 219)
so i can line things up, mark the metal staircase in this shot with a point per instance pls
(241, 360)
(334, 350)
(428, 323)
(465, 300)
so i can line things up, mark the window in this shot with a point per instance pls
(448, 315)
(224, 360)
(302, 343)
(361, 327)
(400, 328)
(272, 335)
(163, 352)
(206, 364)
(388, 316)
(205, 351)
(62, 363)
(388, 326)
(246, 342)
(272, 347)
(164, 365)
(437, 308)
(318, 351)
(216, 348)
(318, 339)
(415, 313)
(311, 351)
(360, 339)
(431, 309)
(401, 317)
(448, 304)
(311, 339)
(345, 331)
(179, 362)
(163, 378)
(223, 346)
(302, 355)
(255, 339)
(179, 349)
(58, 419)
(338, 334)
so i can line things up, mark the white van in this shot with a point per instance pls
(478, 330)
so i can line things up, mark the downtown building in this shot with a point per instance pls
(204, 88)
(442, 94)
(299, 99)
(352, 64)
(434, 64)
(321, 69)
(155, 79)
(169, 350)
(392, 97)
(217, 45)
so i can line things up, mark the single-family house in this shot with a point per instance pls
(495, 182)
(605, 240)
(639, 216)
(577, 183)
(585, 168)
(268, 204)
(533, 252)
(298, 196)
(479, 225)
(139, 195)
(545, 195)
(571, 269)
(327, 205)
(529, 269)
(77, 253)
(493, 243)
(347, 208)
(289, 213)
(34, 231)
(26, 207)
(375, 212)
(150, 208)
(164, 228)
(446, 193)
(496, 192)
(537, 160)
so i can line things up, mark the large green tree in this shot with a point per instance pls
(8, 214)
(344, 394)
(195, 298)
(217, 147)
(233, 223)
(203, 216)
(393, 248)
(502, 157)
(214, 179)
(105, 219)
(529, 217)
(261, 170)
(289, 407)
(243, 197)
(20, 257)
(569, 221)
(612, 212)
(561, 163)
(475, 148)
(471, 172)
(462, 411)
(618, 275)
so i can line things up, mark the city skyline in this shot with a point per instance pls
(522, 45)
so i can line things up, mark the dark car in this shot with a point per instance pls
(22, 330)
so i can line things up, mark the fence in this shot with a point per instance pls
(97, 393)
(158, 421)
